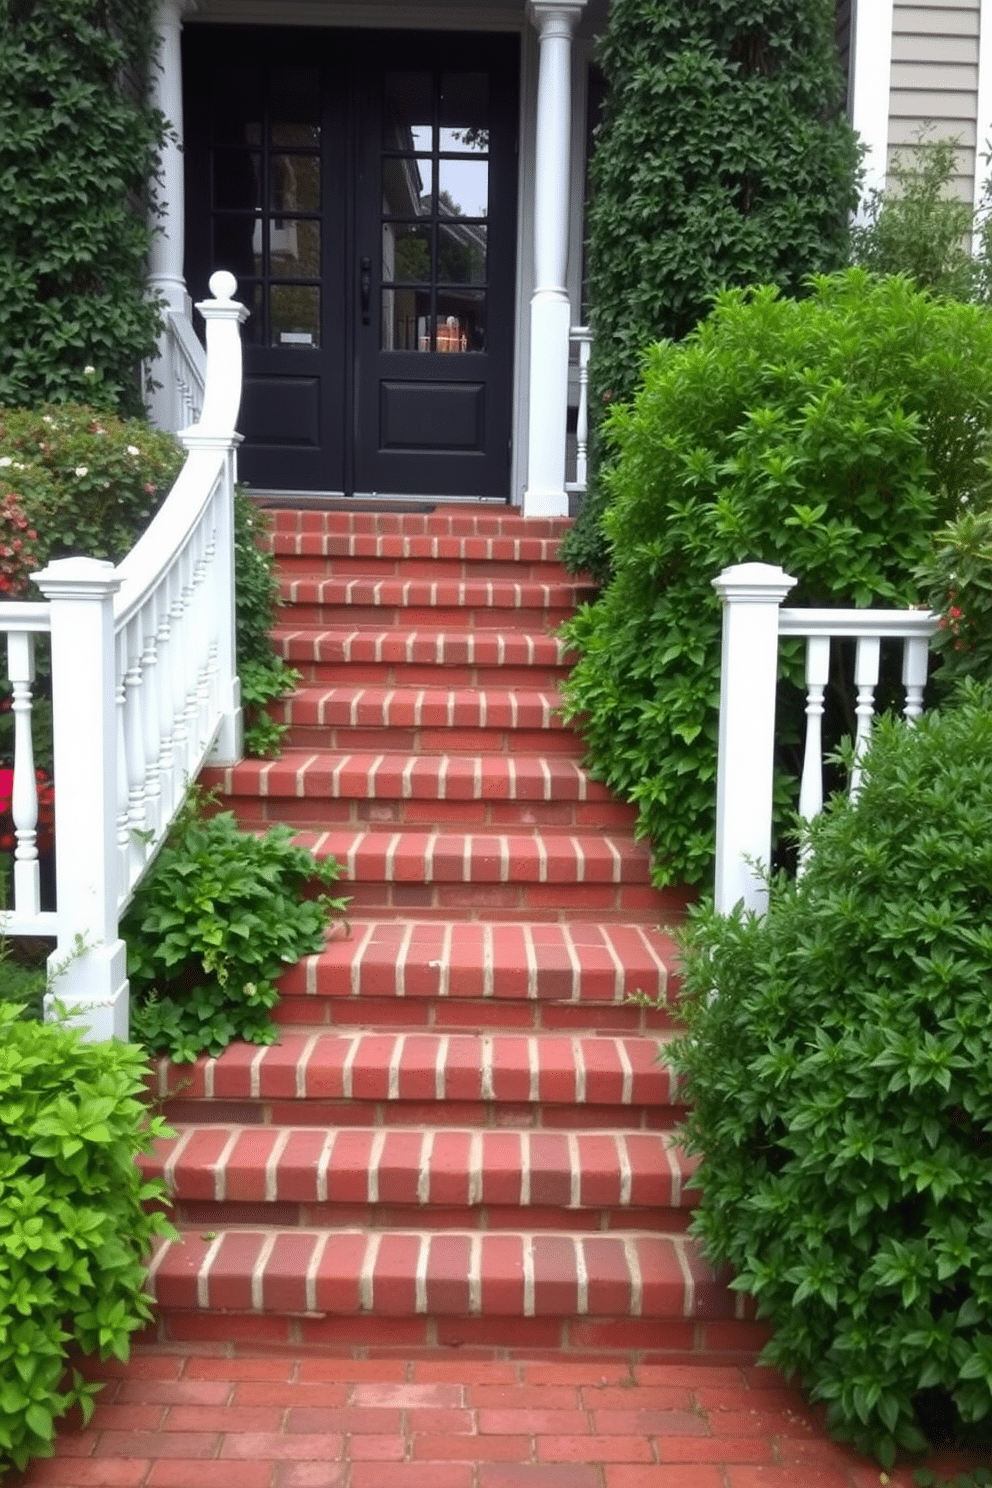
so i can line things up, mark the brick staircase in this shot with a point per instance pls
(465, 1134)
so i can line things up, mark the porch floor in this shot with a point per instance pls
(275, 1420)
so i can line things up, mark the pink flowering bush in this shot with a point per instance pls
(86, 481)
(18, 547)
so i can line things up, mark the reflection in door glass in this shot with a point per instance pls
(406, 320)
(294, 183)
(464, 112)
(408, 111)
(463, 188)
(407, 187)
(461, 253)
(237, 180)
(294, 315)
(406, 252)
(461, 320)
(294, 248)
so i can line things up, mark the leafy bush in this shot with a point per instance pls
(220, 913)
(918, 227)
(841, 1089)
(831, 435)
(87, 481)
(264, 675)
(723, 158)
(78, 149)
(74, 1229)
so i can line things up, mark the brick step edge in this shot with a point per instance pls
(614, 1072)
(444, 521)
(450, 1168)
(602, 964)
(640, 1274)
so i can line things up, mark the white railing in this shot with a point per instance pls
(179, 371)
(753, 621)
(143, 690)
(581, 340)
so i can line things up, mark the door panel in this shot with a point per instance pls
(362, 188)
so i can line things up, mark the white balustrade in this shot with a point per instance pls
(581, 338)
(144, 689)
(753, 621)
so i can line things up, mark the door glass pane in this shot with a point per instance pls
(294, 183)
(407, 187)
(406, 252)
(461, 253)
(294, 312)
(294, 106)
(463, 188)
(237, 180)
(406, 321)
(238, 245)
(408, 111)
(294, 248)
(461, 320)
(464, 114)
(253, 330)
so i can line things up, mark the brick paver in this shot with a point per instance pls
(190, 1417)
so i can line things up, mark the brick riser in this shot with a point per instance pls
(465, 1134)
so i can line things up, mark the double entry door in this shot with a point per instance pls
(362, 188)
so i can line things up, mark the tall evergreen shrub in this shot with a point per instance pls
(78, 147)
(723, 158)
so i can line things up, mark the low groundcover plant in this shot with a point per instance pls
(75, 1228)
(219, 915)
(841, 1089)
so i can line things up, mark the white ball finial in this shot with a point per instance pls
(223, 285)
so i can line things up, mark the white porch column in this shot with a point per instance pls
(165, 268)
(550, 312)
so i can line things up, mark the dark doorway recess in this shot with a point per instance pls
(362, 187)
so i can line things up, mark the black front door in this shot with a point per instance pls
(362, 188)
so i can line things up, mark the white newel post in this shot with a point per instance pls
(550, 311)
(93, 984)
(224, 317)
(165, 268)
(752, 594)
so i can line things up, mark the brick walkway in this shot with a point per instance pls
(182, 1419)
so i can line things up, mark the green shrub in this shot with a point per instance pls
(220, 913)
(74, 1229)
(841, 1089)
(831, 435)
(87, 481)
(918, 227)
(957, 577)
(78, 150)
(723, 158)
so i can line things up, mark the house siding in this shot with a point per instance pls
(935, 80)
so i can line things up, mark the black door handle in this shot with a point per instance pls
(366, 288)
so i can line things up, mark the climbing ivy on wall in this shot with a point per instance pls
(723, 158)
(78, 148)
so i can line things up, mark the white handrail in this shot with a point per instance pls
(753, 621)
(143, 689)
(581, 338)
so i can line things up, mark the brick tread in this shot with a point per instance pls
(443, 522)
(425, 707)
(428, 1068)
(571, 963)
(456, 594)
(411, 855)
(393, 775)
(454, 1168)
(439, 1273)
(406, 548)
(419, 645)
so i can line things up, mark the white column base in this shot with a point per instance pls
(550, 324)
(90, 991)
